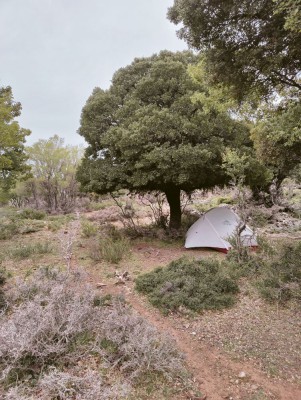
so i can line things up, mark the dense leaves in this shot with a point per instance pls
(277, 138)
(145, 132)
(12, 139)
(193, 284)
(249, 45)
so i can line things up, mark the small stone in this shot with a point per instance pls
(186, 326)
(193, 333)
(242, 375)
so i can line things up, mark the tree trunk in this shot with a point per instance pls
(174, 201)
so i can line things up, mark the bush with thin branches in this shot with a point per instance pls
(53, 320)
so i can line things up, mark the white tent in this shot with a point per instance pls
(214, 228)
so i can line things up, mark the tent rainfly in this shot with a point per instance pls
(214, 228)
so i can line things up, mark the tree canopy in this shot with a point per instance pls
(277, 138)
(12, 139)
(145, 132)
(250, 45)
(53, 165)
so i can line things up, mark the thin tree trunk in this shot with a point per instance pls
(174, 201)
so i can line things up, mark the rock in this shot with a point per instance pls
(242, 375)
(193, 333)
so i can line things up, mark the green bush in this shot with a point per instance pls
(113, 250)
(111, 246)
(26, 251)
(193, 284)
(88, 229)
(8, 229)
(30, 213)
(281, 277)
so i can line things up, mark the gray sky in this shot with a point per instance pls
(54, 52)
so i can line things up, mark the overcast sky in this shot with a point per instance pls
(54, 52)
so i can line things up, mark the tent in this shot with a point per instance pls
(214, 228)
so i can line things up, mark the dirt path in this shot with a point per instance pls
(216, 373)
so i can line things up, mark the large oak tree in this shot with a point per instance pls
(145, 132)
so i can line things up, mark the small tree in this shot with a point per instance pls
(12, 139)
(53, 167)
(145, 133)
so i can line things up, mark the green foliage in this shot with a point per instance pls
(277, 138)
(281, 276)
(193, 284)
(8, 229)
(292, 11)
(12, 139)
(113, 250)
(244, 168)
(275, 270)
(29, 250)
(88, 229)
(30, 213)
(214, 202)
(146, 133)
(246, 44)
(111, 245)
(53, 185)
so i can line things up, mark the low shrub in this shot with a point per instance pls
(113, 250)
(111, 246)
(30, 213)
(193, 284)
(88, 229)
(8, 229)
(280, 278)
(29, 250)
(136, 346)
(53, 322)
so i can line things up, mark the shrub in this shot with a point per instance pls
(193, 284)
(111, 246)
(26, 251)
(8, 229)
(53, 322)
(114, 250)
(41, 330)
(88, 229)
(82, 385)
(136, 346)
(30, 213)
(281, 276)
